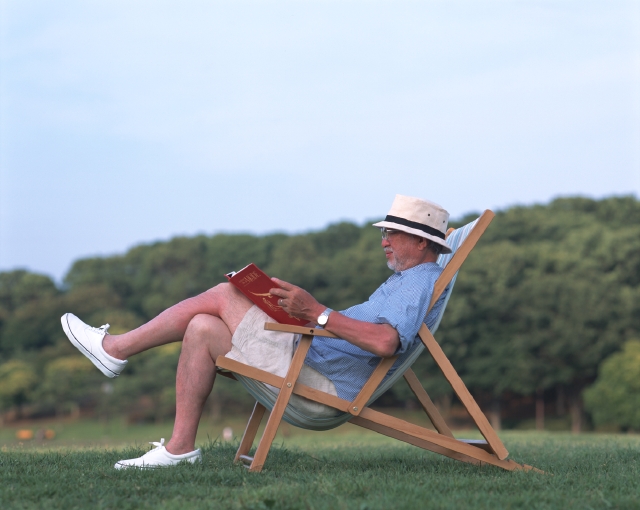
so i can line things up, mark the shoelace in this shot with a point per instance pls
(103, 330)
(157, 445)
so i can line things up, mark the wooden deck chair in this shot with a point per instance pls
(490, 451)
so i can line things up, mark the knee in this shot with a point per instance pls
(200, 328)
(221, 290)
(224, 294)
(206, 334)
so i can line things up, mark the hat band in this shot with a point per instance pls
(414, 224)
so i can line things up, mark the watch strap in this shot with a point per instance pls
(324, 314)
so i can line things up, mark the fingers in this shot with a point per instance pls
(278, 292)
(294, 300)
(284, 288)
(283, 284)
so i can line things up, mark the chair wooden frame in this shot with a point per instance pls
(490, 451)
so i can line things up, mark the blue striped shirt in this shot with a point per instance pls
(401, 302)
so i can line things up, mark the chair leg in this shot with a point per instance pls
(463, 393)
(423, 397)
(269, 434)
(250, 431)
(420, 443)
(281, 404)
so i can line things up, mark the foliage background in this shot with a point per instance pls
(548, 294)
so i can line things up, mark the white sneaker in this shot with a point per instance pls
(159, 457)
(88, 341)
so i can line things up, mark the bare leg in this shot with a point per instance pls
(223, 301)
(206, 338)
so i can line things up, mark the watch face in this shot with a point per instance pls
(322, 320)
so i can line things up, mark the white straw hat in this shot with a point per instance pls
(418, 217)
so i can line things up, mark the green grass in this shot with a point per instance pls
(346, 468)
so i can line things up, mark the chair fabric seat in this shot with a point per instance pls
(291, 415)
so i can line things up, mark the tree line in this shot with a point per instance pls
(550, 292)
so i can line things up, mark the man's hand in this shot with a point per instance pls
(379, 339)
(297, 302)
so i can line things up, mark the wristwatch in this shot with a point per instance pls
(324, 317)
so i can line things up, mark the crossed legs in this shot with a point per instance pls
(205, 325)
(223, 301)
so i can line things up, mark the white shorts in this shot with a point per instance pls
(272, 351)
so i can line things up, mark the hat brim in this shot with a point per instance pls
(416, 232)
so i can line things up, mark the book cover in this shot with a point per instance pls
(255, 284)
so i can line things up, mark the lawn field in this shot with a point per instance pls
(346, 468)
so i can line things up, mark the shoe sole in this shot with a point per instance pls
(128, 466)
(67, 329)
(119, 465)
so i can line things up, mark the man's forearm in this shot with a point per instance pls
(379, 339)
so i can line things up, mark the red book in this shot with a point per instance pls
(255, 284)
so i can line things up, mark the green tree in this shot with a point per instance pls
(68, 381)
(614, 399)
(20, 287)
(550, 291)
(36, 324)
(17, 380)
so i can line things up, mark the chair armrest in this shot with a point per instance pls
(287, 328)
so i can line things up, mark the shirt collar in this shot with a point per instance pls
(416, 268)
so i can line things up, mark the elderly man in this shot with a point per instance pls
(221, 321)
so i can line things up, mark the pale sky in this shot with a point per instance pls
(127, 122)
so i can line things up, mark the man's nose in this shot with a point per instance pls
(385, 243)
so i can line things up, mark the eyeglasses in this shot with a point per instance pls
(387, 232)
